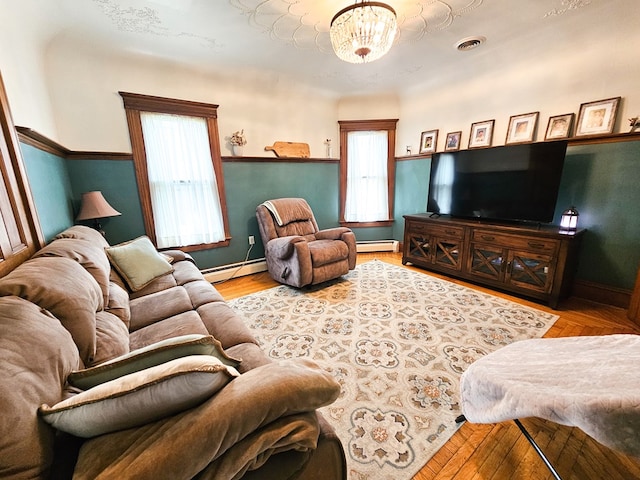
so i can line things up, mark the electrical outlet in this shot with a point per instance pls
(252, 240)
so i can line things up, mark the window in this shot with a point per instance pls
(176, 153)
(367, 172)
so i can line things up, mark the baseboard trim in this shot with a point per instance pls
(378, 246)
(234, 270)
(618, 297)
(224, 272)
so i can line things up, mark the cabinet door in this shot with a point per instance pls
(418, 247)
(487, 261)
(447, 252)
(530, 271)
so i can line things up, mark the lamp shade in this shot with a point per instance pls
(95, 206)
(363, 32)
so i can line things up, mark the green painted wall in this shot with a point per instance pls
(51, 189)
(412, 186)
(248, 184)
(116, 180)
(600, 180)
(603, 182)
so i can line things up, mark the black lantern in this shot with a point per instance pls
(569, 220)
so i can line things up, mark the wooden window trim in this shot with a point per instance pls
(134, 104)
(20, 231)
(347, 126)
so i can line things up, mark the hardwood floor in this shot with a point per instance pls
(500, 451)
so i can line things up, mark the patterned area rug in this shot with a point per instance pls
(397, 341)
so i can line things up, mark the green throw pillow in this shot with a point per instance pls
(141, 397)
(150, 356)
(138, 262)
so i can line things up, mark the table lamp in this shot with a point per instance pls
(94, 207)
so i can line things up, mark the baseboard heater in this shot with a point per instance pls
(378, 246)
(224, 272)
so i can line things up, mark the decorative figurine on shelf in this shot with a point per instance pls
(634, 123)
(327, 142)
(238, 141)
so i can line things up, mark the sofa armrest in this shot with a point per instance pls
(332, 233)
(177, 255)
(255, 412)
(283, 247)
(347, 236)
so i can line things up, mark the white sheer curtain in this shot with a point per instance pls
(184, 193)
(367, 192)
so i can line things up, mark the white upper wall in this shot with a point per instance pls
(22, 52)
(549, 84)
(90, 115)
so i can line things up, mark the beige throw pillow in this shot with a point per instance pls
(138, 262)
(141, 397)
(150, 356)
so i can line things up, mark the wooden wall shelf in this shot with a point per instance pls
(37, 140)
(573, 141)
(280, 159)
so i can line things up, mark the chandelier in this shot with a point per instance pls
(363, 32)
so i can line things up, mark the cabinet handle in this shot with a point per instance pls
(488, 238)
(450, 232)
(536, 245)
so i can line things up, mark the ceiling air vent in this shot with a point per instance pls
(469, 43)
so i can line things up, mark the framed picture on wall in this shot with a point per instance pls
(597, 118)
(453, 141)
(522, 128)
(481, 134)
(428, 141)
(559, 127)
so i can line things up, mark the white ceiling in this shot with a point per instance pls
(290, 37)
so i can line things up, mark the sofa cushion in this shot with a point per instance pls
(183, 324)
(118, 303)
(223, 322)
(112, 338)
(185, 272)
(67, 290)
(37, 354)
(201, 292)
(91, 257)
(157, 306)
(83, 232)
(138, 262)
(324, 252)
(141, 397)
(150, 356)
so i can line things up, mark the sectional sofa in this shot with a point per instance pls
(123, 362)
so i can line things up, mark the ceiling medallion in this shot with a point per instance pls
(305, 23)
(363, 32)
(566, 5)
(145, 21)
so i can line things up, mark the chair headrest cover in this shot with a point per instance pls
(287, 210)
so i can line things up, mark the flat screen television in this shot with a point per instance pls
(516, 183)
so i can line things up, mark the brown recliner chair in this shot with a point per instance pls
(297, 252)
